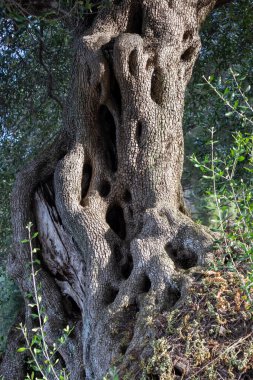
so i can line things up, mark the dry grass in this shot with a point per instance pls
(210, 334)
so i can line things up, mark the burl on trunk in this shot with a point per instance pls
(106, 197)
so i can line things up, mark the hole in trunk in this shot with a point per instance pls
(133, 62)
(157, 86)
(108, 133)
(104, 189)
(123, 349)
(138, 132)
(136, 21)
(127, 267)
(127, 197)
(115, 91)
(107, 50)
(188, 54)
(182, 209)
(182, 257)
(187, 35)
(71, 307)
(115, 219)
(99, 89)
(170, 299)
(117, 253)
(60, 277)
(48, 191)
(145, 284)
(87, 174)
(110, 294)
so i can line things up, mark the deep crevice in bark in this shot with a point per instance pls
(182, 257)
(107, 129)
(115, 219)
(123, 349)
(110, 294)
(115, 93)
(145, 284)
(117, 253)
(127, 267)
(133, 61)
(135, 23)
(139, 132)
(71, 308)
(188, 54)
(104, 189)
(127, 197)
(86, 179)
(48, 191)
(157, 86)
(188, 34)
(171, 297)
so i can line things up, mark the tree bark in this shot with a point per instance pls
(116, 241)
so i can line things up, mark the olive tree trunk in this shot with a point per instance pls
(115, 239)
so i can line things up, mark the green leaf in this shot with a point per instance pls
(21, 349)
(236, 103)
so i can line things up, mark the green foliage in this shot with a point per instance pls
(229, 175)
(9, 298)
(34, 61)
(29, 119)
(226, 41)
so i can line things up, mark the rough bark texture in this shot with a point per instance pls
(106, 198)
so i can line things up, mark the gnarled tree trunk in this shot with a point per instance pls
(106, 197)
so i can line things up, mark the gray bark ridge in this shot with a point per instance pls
(115, 238)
